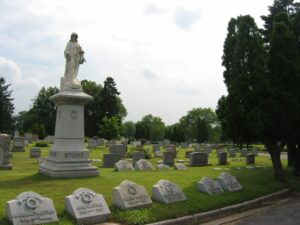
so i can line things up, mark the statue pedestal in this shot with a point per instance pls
(68, 157)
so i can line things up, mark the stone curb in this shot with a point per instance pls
(205, 216)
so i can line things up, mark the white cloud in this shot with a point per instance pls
(185, 18)
(150, 73)
(151, 8)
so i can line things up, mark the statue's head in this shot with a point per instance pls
(74, 37)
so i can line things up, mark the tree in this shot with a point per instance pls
(111, 105)
(6, 108)
(244, 62)
(128, 129)
(92, 111)
(175, 133)
(151, 128)
(202, 131)
(109, 128)
(43, 110)
(189, 121)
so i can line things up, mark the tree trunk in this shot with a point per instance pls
(291, 153)
(274, 151)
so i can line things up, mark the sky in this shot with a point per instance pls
(165, 56)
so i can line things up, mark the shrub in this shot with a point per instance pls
(41, 144)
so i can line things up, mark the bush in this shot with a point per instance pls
(41, 144)
(146, 151)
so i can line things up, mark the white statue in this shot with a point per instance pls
(74, 56)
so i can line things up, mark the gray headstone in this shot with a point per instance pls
(155, 147)
(143, 164)
(118, 149)
(87, 207)
(92, 143)
(100, 142)
(198, 159)
(30, 208)
(123, 165)
(229, 182)
(35, 152)
(255, 151)
(28, 137)
(209, 186)
(179, 166)
(4, 152)
(250, 159)
(110, 159)
(167, 192)
(184, 145)
(187, 154)
(222, 159)
(158, 154)
(244, 152)
(50, 139)
(168, 158)
(232, 153)
(129, 195)
(163, 167)
(136, 156)
(18, 144)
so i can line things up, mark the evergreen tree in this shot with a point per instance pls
(6, 108)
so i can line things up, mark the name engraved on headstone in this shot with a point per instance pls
(123, 165)
(229, 182)
(143, 164)
(30, 208)
(167, 192)
(129, 195)
(87, 207)
(209, 186)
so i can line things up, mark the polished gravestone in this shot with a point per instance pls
(129, 195)
(250, 159)
(167, 192)
(123, 165)
(222, 158)
(87, 207)
(30, 208)
(209, 186)
(229, 182)
(110, 159)
(198, 159)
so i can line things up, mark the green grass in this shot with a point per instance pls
(24, 177)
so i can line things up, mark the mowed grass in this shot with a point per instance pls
(25, 177)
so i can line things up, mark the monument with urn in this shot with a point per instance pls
(68, 157)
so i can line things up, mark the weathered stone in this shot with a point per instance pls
(155, 147)
(100, 142)
(168, 158)
(158, 154)
(123, 165)
(209, 186)
(198, 159)
(92, 143)
(4, 152)
(143, 164)
(244, 152)
(35, 152)
(18, 144)
(232, 153)
(110, 159)
(136, 156)
(129, 195)
(87, 207)
(229, 182)
(167, 192)
(50, 139)
(187, 154)
(30, 208)
(179, 166)
(162, 166)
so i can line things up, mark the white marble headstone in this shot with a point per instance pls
(123, 165)
(129, 195)
(87, 207)
(30, 208)
(229, 182)
(167, 192)
(143, 164)
(209, 186)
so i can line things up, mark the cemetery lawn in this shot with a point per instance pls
(255, 182)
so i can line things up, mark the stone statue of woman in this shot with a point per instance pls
(74, 56)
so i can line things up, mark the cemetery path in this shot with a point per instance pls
(283, 212)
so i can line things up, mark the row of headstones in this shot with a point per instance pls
(94, 142)
(142, 165)
(88, 207)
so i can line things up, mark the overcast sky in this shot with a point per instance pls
(165, 56)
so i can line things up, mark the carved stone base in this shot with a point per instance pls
(68, 157)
